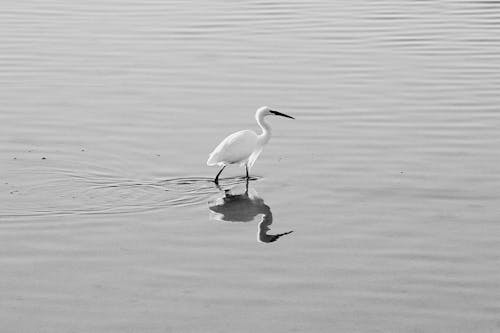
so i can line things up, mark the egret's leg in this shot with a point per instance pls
(216, 180)
(246, 167)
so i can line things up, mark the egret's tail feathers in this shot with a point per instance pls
(212, 160)
(253, 158)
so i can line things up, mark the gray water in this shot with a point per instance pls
(389, 178)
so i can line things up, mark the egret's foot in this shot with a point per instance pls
(218, 186)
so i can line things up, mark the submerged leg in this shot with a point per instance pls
(216, 180)
(246, 167)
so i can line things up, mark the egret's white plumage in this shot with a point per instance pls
(243, 147)
(234, 149)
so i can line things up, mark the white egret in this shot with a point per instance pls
(244, 147)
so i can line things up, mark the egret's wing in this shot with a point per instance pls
(234, 149)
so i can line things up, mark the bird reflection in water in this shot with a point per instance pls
(244, 208)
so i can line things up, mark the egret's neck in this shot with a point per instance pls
(266, 130)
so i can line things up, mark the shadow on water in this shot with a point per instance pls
(66, 194)
(245, 207)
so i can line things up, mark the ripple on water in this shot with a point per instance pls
(70, 194)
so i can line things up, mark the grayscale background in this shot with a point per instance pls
(389, 177)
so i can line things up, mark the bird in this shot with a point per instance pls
(244, 147)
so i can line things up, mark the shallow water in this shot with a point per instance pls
(388, 179)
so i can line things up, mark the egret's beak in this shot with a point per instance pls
(280, 114)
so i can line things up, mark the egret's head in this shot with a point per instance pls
(266, 111)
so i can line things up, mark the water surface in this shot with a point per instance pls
(389, 177)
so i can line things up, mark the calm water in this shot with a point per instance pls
(389, 177)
